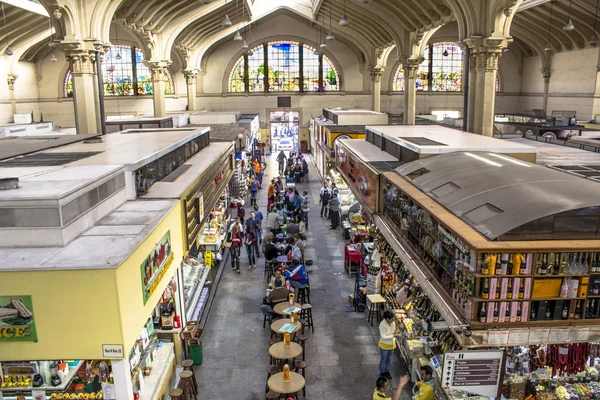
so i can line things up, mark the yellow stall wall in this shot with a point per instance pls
(75, 312)
(331, 136)
(134, 313)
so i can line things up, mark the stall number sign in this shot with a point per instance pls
(477, 372)
(113, 351)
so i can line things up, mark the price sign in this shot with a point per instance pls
(477, 372)
(579, 334)
(497, 338)
(559, 335)
(537, 336)
(518, 337)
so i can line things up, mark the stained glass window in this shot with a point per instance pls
(256, 69)
(122, 76)
(236, 78)
(446, 68)
(284, 66)
(399, 80)
(331, 78)
(310, 69)
(423, 72)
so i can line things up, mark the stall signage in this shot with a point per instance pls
(363, 181)
(478, 372)
(19, 368)
(17, 322)
(200, 198)
(156, 265)
(451, 238)
(113, 351)
(218, 178)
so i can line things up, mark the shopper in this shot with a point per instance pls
(334, 210)
(253, 222)
(258, 170)
(387, 343)
(241, 210)
(292, 228)
(325, 195)
(259, 219)
(281, 158)
(237, 223)
(277, 295)
(300, 244)
(250, 240)
(235, 244)
(297, 275)
(274, 221)
(271, 189)
(269, 249)
(254, 185)
(305, 207)
(425, 388)
(278, 275)
(382, 386)
(302, 229)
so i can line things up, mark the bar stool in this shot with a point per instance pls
(307, 316)
(176, 394)
(189, 391)
(376, 301)
(271, 370)
(301, 369)
(301, 339)
(188, 365)
(304, 294)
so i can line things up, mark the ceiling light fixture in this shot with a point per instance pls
(226, 22)
(244, 45)
(9, 51)
(445, 53)
(118, 56)
(594, 40)
(344, 21)
(569, 25)
(549, 46)
(330, 34)
(323, 44)
(57, 13)
(237, 36)
(53, 58)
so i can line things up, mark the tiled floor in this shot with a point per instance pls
(342, 355)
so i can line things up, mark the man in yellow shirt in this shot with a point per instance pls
(383, 384)
(425, 388)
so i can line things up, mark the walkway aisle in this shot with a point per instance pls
(342, 355)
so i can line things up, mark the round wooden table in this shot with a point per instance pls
(280, 352)
(282, 259)
(276, 325)
(295, 384)
(279, 307)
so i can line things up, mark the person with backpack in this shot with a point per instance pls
(325, 195)
(297, 275)
(254, 185)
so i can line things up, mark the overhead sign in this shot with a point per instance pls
(156, 265)
(113, 351)
(17, 323)
(473, 371)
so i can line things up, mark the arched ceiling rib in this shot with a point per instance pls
(21, 26)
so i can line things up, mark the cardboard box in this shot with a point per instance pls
(543, 288)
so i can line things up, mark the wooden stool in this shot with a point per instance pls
(306, 314)
(272, 395)
(376, 301)
(188, 365)
(189, 391)
(301, 339)
(301, 369)
(271, 370)
(176, 394)
(303, 295)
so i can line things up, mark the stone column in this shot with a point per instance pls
(191, 76)
(85, 90)
(546, 73)
(411, 69)
(486, 67)
(158, 86)
(472, 94)
(10, 79)
(376, 73)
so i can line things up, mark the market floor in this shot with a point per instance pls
(342, 355)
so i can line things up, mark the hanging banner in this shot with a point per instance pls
(17, 323)
(155, 266)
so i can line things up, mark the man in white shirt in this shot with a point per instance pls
(305, 207)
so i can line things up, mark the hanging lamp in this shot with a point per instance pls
(53, 58)
(244, 45)
(344, 21)
(569, 25)
(549, 46)
(594, 40)
(323, 44)
(330, 34)
(445, 53)
(237, 36)
(118, 56)
(226, 22)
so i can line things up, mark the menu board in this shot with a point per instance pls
(473, 371)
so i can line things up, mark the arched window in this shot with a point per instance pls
(291, 67)
(124, 74)
(440, 71)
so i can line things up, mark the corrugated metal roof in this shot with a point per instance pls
(494, 193)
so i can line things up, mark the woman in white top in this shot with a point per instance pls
(387, 343)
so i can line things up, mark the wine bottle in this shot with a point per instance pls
(482, 313)
(518, 312)
(556, 266)
(585, 267)
(509, 266)
(578, 310)
(485, 290)
(496, 312)
(498, 265)
(563, 266)
(485, 267)
(548, 310)
(538, 267)
(544, 268)
(523, 266)
(509, 289)
(565, 310)
(522, 288)
(595, 265)
(507, 313)
(498, 291)
(532, 314)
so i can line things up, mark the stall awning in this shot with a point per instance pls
(507, 199)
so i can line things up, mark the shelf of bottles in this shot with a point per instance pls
(537, 287)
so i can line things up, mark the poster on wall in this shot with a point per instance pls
(359, 177)
(17, 323)
(155, 266)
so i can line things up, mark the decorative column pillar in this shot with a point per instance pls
(411, 68)
(546, 73)
(85, 90)
(486, 67)
(376, 73)
(10, 79)
(158, 86)
(472, 94)
(191, 76)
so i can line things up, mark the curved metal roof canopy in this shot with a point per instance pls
(507, 199)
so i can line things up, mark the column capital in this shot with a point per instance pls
(190, 75)
(546, 72)
(376, 73)
(487, 44)
(487, 61)
(82, 61)
(10, 79)
(410, 62)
